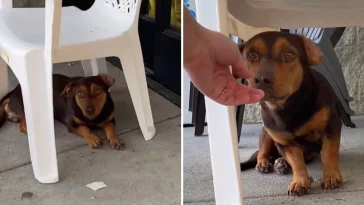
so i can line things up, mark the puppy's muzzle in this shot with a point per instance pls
(263, 80)
(90, 112)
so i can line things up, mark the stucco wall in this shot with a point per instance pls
(350, 50)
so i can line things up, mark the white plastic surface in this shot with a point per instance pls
(94, 66)
(4, 84)
(6, 3)
(298, 13)
(133, 67)
(32, 39)
(39, 115)
(221, 121)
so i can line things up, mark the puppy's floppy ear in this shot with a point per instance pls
(107, 79)
(313, 53)
(67, 91)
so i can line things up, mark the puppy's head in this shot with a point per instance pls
(89, 93)
(278, 62)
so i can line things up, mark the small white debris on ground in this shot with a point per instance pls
(96, 185)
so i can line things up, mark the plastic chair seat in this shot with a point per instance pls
(297, 13)
(24, 27)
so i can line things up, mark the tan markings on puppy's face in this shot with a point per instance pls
(254, 52)
(276, 61)
(90, 99)
(98, 98)
(90, 93)
(287, 69)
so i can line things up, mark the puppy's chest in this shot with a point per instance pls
(92, 124)
(286, 133)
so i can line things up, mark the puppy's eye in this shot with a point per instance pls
(288, 56)
(81, 94)
(253, 56)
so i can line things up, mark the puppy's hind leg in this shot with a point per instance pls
(23, 126)
(281, 166)
(10, 115)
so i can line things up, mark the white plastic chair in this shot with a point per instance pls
(32, 39)
(238, 17)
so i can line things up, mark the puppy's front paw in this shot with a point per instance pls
(300, 185)
(281, 166)
(264, 166)
(115, 143)
(93, 142)
(331, 180)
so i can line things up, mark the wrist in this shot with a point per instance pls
(193, 34)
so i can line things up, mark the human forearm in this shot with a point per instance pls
(192, 33)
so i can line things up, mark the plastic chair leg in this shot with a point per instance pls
(221, 120)
(94, 66)
(37, 95)
(335, 69)
(132, 61)
(239, 119)
(346, 118)
(199, 112)
(4, 84)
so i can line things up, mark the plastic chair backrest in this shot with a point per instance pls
(129, 8)
(121, 8)
(53, 13)
(124, 6)
(315, 34)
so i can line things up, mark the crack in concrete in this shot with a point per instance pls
(85, 145)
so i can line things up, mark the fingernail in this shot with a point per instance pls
(257, 97)
(259, 92)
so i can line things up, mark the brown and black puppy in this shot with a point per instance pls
(299, 109)
(80, 103)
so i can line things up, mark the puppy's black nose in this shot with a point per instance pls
(262, 81)
(90, 110)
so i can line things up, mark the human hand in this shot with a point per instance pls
(207, 63)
